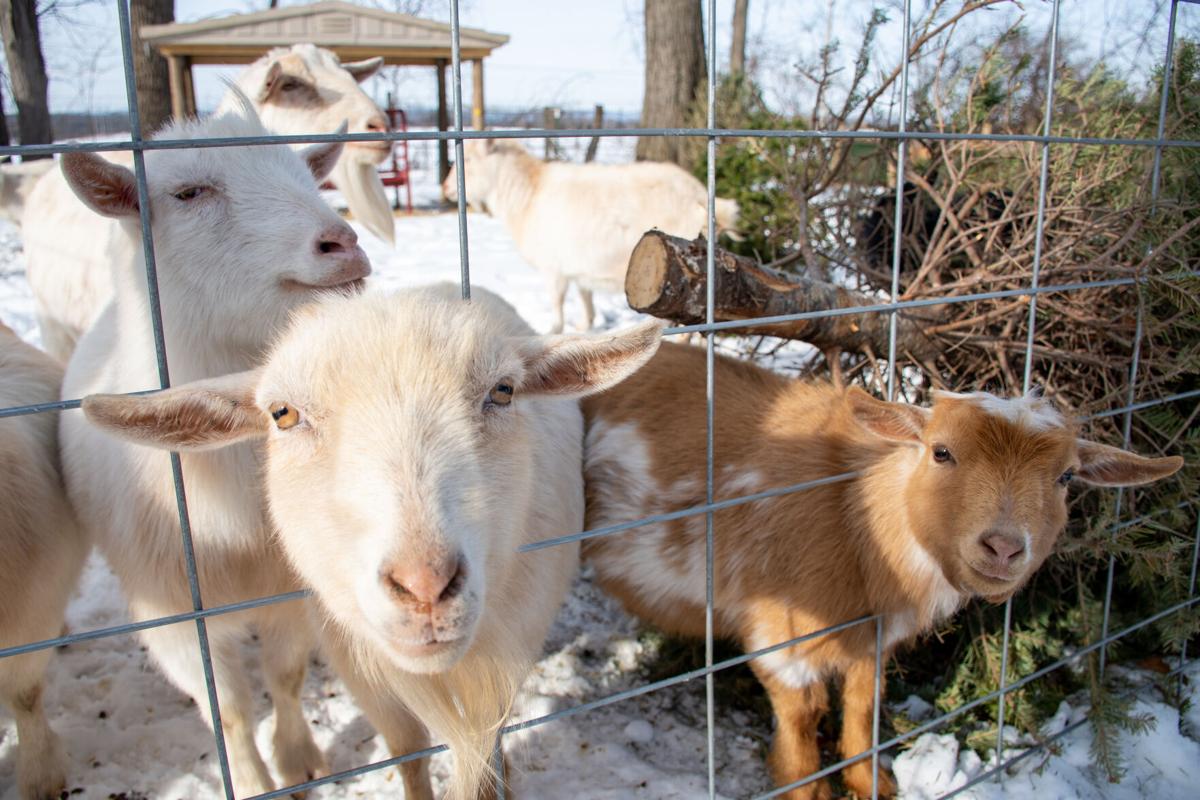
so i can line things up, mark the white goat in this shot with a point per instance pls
(578, 223)
(16, 184)
(417, 442)
(41, 553)
(242, 238)
(302, 89)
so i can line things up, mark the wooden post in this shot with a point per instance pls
(594, 144)
(175, 79)
(189, 88)
(550, 117)
(477, 118)
(443, 122)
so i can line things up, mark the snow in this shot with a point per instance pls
(130, 734)
(1163, 762)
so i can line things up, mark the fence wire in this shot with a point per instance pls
(712, 134)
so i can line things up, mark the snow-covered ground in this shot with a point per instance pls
(130, 734)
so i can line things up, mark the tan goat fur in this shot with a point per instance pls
(910, 537)
(41, 553)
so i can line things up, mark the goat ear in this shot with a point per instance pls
(106, 188)
(274, 72)
(203, 415)
(361, 70)
(897, 421)
(321, 158)
(1101, 465)
(576, 366)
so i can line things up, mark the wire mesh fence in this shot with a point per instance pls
(712, 136)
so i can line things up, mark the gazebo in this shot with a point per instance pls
(353, 32)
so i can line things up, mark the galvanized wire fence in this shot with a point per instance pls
(711, 134)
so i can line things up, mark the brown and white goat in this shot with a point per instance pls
(965, 499)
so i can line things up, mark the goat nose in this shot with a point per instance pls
(431, 581)
(377, 124)
(1003, 547)
(336, 239)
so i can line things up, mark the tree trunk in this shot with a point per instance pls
(737, 52)
(667, 279)
(674, 72)
(27, 70)
(3, 119)
(150, 71)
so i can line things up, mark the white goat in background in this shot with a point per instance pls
(414, 442)
(302, 89)
(578, 223)
(41, 553)
(242, 238)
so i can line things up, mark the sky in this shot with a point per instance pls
(577, 53)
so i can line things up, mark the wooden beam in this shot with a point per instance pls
(443, 123)
(175, 81)
(477, 119)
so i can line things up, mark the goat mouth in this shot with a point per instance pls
(994, 574)
(351, 287)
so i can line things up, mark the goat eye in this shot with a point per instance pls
(285, 416)
(190, 193)
(941, 454)
(289, 85)
(500, 395)
(1066, 477)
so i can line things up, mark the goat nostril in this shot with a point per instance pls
(456, 584)
(327, 247)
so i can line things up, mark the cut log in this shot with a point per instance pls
(667, 279)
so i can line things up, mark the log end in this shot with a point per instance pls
(646, 276)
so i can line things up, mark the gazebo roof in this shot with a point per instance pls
(352, 31)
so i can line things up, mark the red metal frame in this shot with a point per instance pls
(397, 173)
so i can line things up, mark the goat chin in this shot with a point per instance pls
(359, 183)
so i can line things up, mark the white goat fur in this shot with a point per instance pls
(579, 223)
(69, 249)
(41, 553)
(227, 284)
(398, 456)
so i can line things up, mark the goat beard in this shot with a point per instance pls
(359, 183)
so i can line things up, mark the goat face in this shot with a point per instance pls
(306, 89)
(481, 160)
(241, 234)
(401, 454)
(985, 489)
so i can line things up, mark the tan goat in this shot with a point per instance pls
(965, 499)
(41, 553)
(413, 443)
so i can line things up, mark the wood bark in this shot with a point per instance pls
(150, 71)
(674, 72)
(26, 70)
(4, 140)
(667, 279)
(737, 50)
